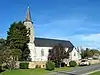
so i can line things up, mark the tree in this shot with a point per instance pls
(2, 46)
(95, 51)
(89, 52)
(57, 54)
(2, 43)
(10, 57)
(18, 37)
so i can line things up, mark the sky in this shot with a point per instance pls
(75, 20)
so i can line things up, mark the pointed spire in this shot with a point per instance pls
(28, 16)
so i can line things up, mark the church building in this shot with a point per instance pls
(39, 47)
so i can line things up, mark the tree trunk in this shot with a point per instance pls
(60, 64)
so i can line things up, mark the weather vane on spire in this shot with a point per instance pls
(28, 6)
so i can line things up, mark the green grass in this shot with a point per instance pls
(25, 72)
(63, 69)
(95, 73)
(32, 71)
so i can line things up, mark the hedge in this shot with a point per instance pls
(24, 65)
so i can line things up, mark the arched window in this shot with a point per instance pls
(42, 52)
(74, 54)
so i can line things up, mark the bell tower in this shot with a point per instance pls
(29, 25)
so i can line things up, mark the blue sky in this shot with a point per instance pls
(74, 20)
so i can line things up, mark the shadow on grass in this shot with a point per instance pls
(2, 71)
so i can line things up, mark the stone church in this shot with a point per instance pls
(39, 47)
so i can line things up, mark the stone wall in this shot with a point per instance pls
(94, 61)
(33, 64)
(39, 64)
(91, 62)
(42, 64)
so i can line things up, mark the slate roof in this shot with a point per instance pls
(45, 42)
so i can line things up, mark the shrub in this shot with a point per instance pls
(0, 68)
(50, 65)
(24, 65)
(5, 67)
(72, 63)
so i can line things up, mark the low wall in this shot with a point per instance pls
(91, 61)
(33, 64)
(94, 61)
(40, 64)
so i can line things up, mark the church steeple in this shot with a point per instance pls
(28, 23)
(28, 15)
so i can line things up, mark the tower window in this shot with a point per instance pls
(74, 54)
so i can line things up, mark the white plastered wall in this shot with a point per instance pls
(75, 55)
(38, 53)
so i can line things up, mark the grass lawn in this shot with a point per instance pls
(33, 71)
(95, 73)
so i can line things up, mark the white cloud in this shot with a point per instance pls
(92, 37)
(90, 40)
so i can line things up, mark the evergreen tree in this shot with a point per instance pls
(18, 37)
(2, 43)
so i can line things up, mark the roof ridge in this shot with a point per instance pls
(51, 39)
